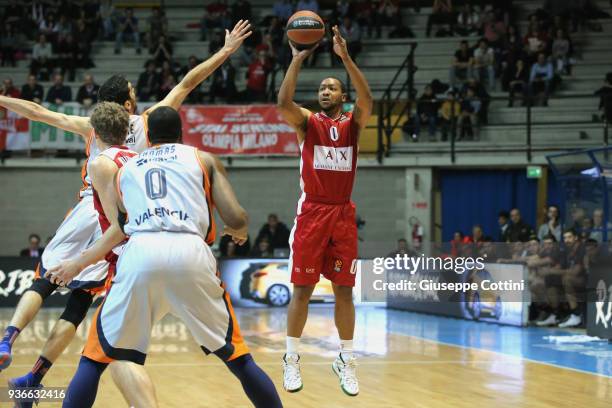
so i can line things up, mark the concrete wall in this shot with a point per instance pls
(36, 200)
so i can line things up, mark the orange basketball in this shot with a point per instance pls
(305, 28)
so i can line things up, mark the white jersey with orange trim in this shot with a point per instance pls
(166, 188)
(136, 140)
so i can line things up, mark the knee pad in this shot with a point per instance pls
(77, 306)
(43, 287)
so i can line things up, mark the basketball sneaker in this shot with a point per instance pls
(573, 320)
(345, 370)
(550, 320)
(25, 381)
(292, 378)
(5, 355)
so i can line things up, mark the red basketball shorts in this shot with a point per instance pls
(323, 241)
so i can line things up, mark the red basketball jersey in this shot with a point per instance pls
(329, 158)
(120, 155)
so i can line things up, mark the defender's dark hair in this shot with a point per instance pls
(165, 126)
(115, 89)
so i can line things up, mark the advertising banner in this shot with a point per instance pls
(599, 294)
(16, 276)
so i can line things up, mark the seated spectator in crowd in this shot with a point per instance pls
(483, 64)
(161, 51)
(389, 14)
(578, 214)
(32, 90)
(536, 42)
(471, 105)
(586, 229)
(457, 243)
(42, 59)
(262, 249)
(441, 14)
(478, 238)
(462, 64)
(427, 113)
(58, 93)
(518, 231)
(503, 220)
(517, 80)
(605, 99)
(512, 51)
(283, 9)
(167, 80)
(83, 38)
(494, 29)
(216, 16)
(65, 52)
(34, 250)
(275, 232)
(224, 83)
(62, 28)
(241, 10)
(157, 26)
(45, 27)
(311, 5)
(8, 45)
(450, 111)
(552, 225)
(341, 9)
(561, 53)
(9, 89)
(468, 21)
(257, 78)
(402, 249)
(540, 79)
(352, 34)
(239, 250)
(127, 28)
(195, 96)
(148, 83)
(216, 42)
(88, 92)
(597, 232)
(108, 13)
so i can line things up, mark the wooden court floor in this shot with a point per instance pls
(395, 370)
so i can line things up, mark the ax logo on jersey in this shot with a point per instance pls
(333, 158)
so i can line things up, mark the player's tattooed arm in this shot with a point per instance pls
(33, 111)
(232, 213)
(365, 100)
(294, 114)
(233, 41)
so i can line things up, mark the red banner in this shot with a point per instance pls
(238, 130)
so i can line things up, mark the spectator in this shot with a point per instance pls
(441, 14)
(34, 250)
(494, 30)
(450, 111)
(92, 17)
(217, 42)
(8, 46)
(241, 10)
(127, 27)
(517, 83)
(216, 17)
(66, 56)
(148, 83)
(540, 79)
(161, 51)
(276, 232)
(224, 83)
(341, 10)
(462, 63)
(158, 26)
(513, 51)
(518, 231)
(84, 38)
(283, 9)
(58, 93)
(262, 249)
(536, 42)
(352, 34)
(195, 96)
(42, 55)
(45, 27)
(8, 89)
(477, 234)
(257, 78)
(402, 249)
(167, 80)
(573, 277)
(503, 220)
(468, 21)
(468, 120)
(32, 91)
(484, 63)
(597, 232)
(561, 52)
(62, 28)
(427, 112)
(239, 251)
(552, 225)
(88, 92)
(605, 98)
(310, 5)
(107, 15)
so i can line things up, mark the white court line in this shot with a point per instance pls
(499, 353)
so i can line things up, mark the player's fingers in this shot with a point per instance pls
(245, 24)
(245, 28)
(237, 26)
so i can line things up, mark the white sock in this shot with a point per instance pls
(346, 348)
(293, 345)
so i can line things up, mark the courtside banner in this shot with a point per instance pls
(238, 130)
(16, 276)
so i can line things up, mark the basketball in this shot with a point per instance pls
(305, 29)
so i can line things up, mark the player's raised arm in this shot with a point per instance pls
(233, 215)
(294, 114)
(233, 41)
(75, 124)
(364, 101)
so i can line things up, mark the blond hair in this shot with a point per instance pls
(110, 122)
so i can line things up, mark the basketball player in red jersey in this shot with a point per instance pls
(324, 236)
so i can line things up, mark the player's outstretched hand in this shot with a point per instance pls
(235, 38)
(63, 273)
(302, 54)
(238, 236)
(340, 47)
